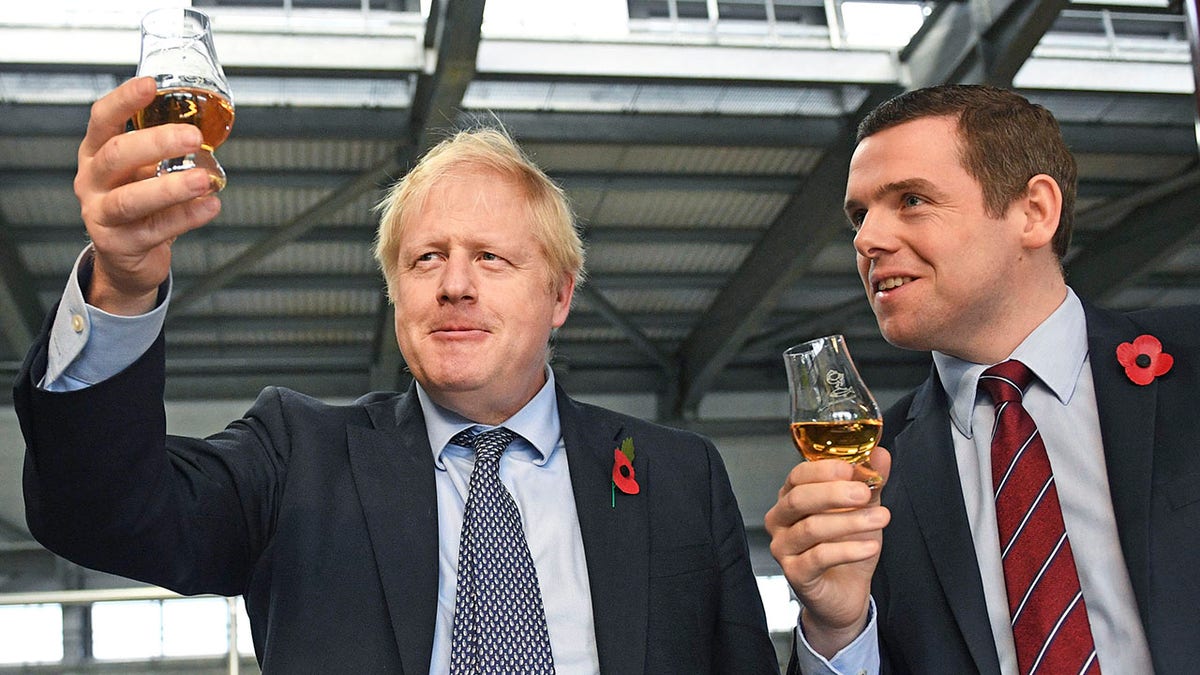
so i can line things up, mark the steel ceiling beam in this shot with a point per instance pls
(981, 41)
(600, 304)
(664, 129)
(978, 41)
(808, 222)
(285, 125)
(466, 17)
(21, 313)
(454, 30)
(1150, 234)
(373, 179)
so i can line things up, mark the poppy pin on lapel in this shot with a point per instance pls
(1144, 359)
(623, 478)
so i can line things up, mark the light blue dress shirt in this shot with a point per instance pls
(1062, 400)
(88, 345)
(534, 469)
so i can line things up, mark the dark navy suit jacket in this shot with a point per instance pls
(932, 616)
(325, 518)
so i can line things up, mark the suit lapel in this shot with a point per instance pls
(393, 470)
(616, 538)
(929, 478)
(1127, 427)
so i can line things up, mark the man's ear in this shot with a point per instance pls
(1042, 208)
(562, 299)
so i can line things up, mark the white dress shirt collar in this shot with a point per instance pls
(1054, 352)
(537, 422)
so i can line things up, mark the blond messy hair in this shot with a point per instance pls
(494, 151)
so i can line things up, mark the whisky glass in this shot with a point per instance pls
(178, 52)
(833, 414)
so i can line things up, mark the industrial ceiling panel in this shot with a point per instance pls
(33, 204)
(301, 302)
(615, 335)
(614, 258)
(216, 336)
(672, 159)
(195, 256)
(1186, 258)
(837, 257)
(270, 205)
(51, 259)
(38, 152)
(717, 159)
(319, 257)
(1133, 168)
(679, 208)
(321, 92)
(307, 155)
(660, 299)
(820, 294)
(556, 157)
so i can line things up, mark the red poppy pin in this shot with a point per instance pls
(622, 474)
(1144, 359)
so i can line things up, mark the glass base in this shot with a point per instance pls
(865, 473)
(204, 160)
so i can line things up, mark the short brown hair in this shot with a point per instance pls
(495, 151)
(1004, 141)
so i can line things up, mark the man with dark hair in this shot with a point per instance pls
(481, 522)
(1037, 514)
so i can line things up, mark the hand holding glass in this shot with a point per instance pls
(833, 414)
(178, 52)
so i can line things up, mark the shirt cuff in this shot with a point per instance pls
(860, 657)
(88, 345)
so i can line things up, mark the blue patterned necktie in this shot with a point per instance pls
(499, 620)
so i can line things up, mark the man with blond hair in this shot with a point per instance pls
(470, 524)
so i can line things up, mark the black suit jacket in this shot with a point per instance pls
(325, 518)
(932, 616)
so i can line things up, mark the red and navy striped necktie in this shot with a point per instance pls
(1049, 619)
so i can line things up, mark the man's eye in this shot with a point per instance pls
(488, 256)
(913, 200)
(426, 257)
(856, 219)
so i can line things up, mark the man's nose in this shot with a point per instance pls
(875, 235)
(458, 279)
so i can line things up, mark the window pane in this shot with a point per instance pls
(32, 634)
(884, 24)
(742, 10)
(245, 637)
(195, 627)
(782, 610)
(127, 630)
(692, 9)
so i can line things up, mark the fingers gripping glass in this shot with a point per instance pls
(833, 415)
(177, 51)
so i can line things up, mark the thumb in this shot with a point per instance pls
(881, 461)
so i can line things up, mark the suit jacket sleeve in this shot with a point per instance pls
(107, 488)
(740, 639)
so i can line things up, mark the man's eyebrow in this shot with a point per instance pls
(918, 184)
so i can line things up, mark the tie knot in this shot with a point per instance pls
(1005, 381)
(488, 445)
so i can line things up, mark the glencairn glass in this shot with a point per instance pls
(178, 52)
(833, 414)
